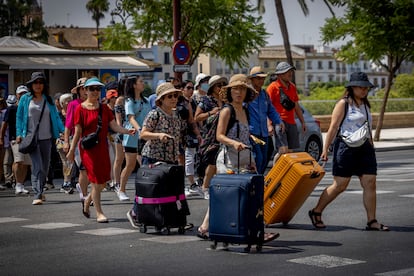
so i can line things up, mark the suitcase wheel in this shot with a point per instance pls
(214, 245)
(143, 229)
(247, 249)
(181, 230)
(225, 246)
(259, 248)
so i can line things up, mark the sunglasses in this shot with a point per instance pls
(94, 88)
(38, 82)
(169, 96)
(189, 87)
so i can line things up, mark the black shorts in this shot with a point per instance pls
(130, 150)
(349, 161)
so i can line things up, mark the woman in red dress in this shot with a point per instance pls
(95, 160)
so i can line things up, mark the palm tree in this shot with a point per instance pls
(282, 21)
(97, 8)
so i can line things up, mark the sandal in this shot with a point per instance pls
(268, 237)
(317, 223)
(381, 228)
(202, 233)
(86, 214)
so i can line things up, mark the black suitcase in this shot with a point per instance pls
(236, 210)
(159, 193)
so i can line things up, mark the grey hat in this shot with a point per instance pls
(359, 79)
(36, 76)
(283, 67)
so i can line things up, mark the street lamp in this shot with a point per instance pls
(120, 12)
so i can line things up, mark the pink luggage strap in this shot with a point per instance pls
(158, 200)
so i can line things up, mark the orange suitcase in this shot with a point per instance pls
(288, 184)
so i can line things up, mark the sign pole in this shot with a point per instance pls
(177, 30)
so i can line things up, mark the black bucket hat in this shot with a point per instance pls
(36, 76)
(359, 79)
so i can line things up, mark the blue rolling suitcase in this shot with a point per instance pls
(236, 210)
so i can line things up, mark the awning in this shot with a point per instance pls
(70, 61)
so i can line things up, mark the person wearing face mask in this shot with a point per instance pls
(209, 106)
(201, 87)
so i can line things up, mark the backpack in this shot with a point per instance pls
(210, 146)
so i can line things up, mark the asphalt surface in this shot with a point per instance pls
(55, 238)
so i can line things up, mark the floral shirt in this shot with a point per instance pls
(159, 122)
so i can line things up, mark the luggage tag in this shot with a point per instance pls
(179, 206)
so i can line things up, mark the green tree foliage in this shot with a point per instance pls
(97, 8)
(381, 30)
(12, 18)
(404, 86)
(223, 28)
(118, 38)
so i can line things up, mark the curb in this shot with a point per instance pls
(384, 149)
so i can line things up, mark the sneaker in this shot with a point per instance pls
(193, 191)
(206, 194)
(2, 187)
(20, 189)
(117, 187)
(65, 187)
(43, 197)
(133, 220)
(49, 186)
(37, 202)
(70, 191)
(122, 196)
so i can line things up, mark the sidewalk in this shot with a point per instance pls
(393, 139)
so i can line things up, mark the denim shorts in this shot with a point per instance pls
(349, 161)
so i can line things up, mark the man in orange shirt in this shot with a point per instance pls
(284, 97)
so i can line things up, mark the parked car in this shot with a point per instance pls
(311, 141)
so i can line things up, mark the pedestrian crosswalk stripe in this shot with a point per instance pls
(10, 219)
(52, 225)
(171, 239)
(409, 195)
(359, 192)
(401, 272)
(326, 261)
(111, 231)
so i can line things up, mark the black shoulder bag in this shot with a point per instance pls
(92, 139)
(285, 101)
(29, 142)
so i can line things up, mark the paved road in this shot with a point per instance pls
(55, 238)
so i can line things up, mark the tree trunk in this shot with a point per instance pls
(283, 28)
(384, 104)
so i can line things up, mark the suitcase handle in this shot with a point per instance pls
(238, 159)
(275, 189)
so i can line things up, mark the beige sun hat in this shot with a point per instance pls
(164, 89)
(257, 72)
(240, 80)
(215, 80)
(79, 83)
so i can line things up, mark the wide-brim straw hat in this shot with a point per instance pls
(214, 80)
(164, 89)
(257, 72)
(79, 83)
(239, 80)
